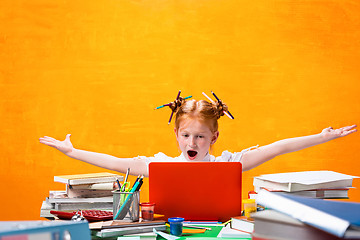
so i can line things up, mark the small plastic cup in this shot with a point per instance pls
(176, 225)
(249, 206)
(147, 211)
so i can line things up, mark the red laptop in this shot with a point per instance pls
(196, 191)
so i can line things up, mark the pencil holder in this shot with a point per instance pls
(131, 205)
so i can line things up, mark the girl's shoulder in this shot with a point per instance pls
(227, 156)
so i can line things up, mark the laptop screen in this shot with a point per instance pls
(196, 191)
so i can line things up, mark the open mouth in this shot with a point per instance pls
(192, 154)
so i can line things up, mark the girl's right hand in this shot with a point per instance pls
(63, 146)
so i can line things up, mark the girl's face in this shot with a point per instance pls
(194, 138)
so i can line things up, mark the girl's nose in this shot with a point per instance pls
(192, 142)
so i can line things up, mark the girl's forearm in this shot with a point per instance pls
(137, 166)
(97, 159)
(298, 143)
(263, 154)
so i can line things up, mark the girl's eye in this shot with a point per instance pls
(185, 135)
(200, 136)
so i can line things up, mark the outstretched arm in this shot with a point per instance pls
(138, 166)
(262, 154)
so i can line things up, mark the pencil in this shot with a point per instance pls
(208, 97)
(215, 96)
(227, 113)
(169, 104)
(198, 227)
(172, 113)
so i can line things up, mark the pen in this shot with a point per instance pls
(118, 183)
(141, 183)
(125, 180)
(127, 174)
(126, 202)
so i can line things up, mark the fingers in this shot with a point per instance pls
(48, 138)
(48, 142)
(348, 127)
(348, 132)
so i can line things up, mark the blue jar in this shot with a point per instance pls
(176, 225)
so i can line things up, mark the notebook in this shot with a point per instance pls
(196, 191)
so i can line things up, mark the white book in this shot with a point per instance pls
(227, 232)
(46, 207)
(114, 232)
(242, 223)
(81, 200)
(94, 186)
(299, 181)
(325, 193)
(90, 178)
(57, 194)
(271, 224)
(88, 193)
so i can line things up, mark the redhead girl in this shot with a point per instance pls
(196, 130)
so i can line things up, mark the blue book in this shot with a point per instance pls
(45, 230)
(339, 218)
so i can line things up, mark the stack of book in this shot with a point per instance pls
(313, 184)
(83, 191)
(116, 228)
(294, 217)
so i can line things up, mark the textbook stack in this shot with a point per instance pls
(298, 218)
(83, 191)
(312, 184)
(133, 230)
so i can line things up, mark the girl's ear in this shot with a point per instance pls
(215, 137)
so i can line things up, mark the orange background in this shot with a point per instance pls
(97, 69)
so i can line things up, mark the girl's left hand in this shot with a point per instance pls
(330, 133)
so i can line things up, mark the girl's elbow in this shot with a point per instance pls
(245, 168)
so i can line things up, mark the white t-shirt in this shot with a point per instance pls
(226, 156)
